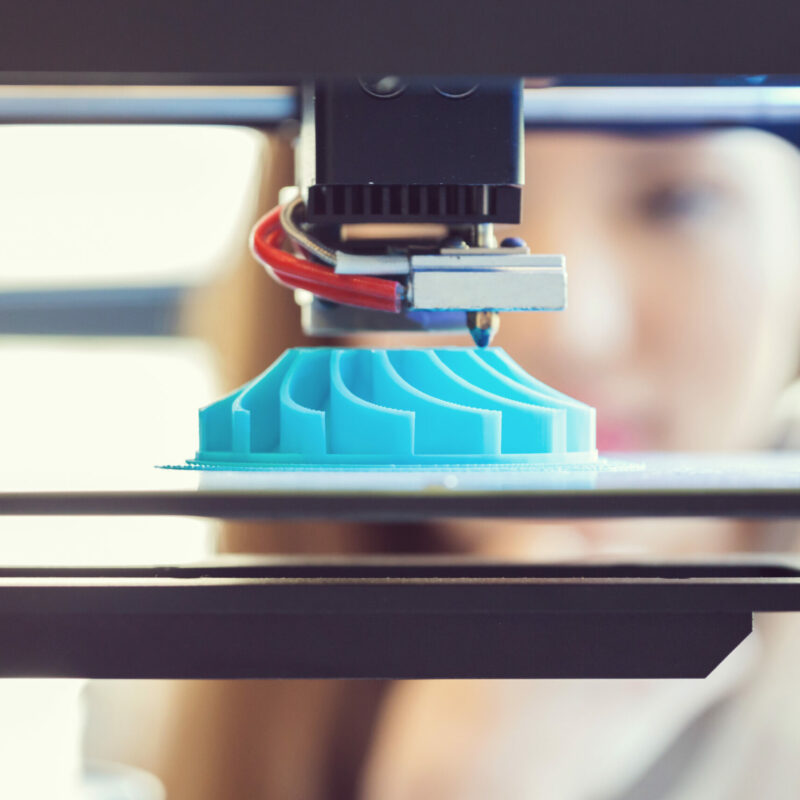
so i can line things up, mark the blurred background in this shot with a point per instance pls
(110, 236)
(128, 300)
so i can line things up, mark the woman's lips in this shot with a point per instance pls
(619, 436)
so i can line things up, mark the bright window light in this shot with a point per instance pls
(86, 206)
(94, 207)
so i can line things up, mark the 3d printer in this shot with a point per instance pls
(409, 114)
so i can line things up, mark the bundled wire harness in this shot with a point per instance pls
(314, 269)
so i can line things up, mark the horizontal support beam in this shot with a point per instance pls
(265, 41)
(387, 618)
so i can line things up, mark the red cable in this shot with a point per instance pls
(354, 290)
(324, 275)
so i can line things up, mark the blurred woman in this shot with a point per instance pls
(683, 330)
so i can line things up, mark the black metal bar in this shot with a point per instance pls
(384, 619)
(366, 646)
(397, 507)
(265, 41)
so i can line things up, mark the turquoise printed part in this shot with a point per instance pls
(347, 407)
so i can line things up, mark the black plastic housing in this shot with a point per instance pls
(418, 156)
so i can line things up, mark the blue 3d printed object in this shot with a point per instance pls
(329, 407)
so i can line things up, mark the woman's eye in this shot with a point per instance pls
(674, 204)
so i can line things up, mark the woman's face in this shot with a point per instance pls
(683, 255)
(683, 328)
